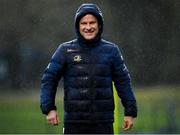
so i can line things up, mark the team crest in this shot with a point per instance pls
(77, 58)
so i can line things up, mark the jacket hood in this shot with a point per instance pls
(89, 8)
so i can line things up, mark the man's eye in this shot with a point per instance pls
(92, 22)
(83, 23)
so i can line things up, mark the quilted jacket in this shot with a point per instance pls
(88, 69)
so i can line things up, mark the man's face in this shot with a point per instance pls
(88, 26)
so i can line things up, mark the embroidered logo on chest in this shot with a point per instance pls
(77, 58)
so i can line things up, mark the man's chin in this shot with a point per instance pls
(89, 38)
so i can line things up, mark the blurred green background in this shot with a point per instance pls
(147, 31)
(158, 106)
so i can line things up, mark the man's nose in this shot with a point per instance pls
(88, 26)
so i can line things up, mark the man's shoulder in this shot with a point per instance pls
(108, 44)
(68, 43)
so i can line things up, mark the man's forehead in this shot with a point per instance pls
(88, 16)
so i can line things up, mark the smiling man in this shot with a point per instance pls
(88, 26)
(89, 65)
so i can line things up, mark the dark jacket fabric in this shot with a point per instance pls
(88, 70)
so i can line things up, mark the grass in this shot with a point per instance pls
(159, 111)
(23, 116)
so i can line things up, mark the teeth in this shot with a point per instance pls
(89, 31)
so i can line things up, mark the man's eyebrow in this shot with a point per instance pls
(83, 22)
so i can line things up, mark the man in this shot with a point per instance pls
(88, 65)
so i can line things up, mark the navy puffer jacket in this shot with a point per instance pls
(88, 69)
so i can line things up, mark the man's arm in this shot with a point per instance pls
(49, 82)
(122, 83)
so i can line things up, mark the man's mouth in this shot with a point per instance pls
(89, 30)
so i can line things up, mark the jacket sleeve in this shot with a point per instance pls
(49, 81)
(122, 81)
